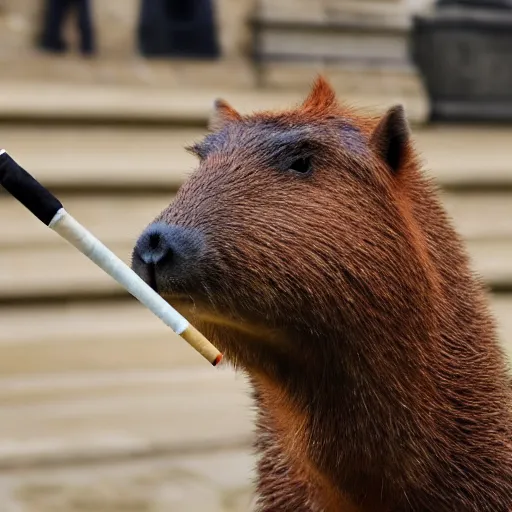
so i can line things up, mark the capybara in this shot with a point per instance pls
(311, 248)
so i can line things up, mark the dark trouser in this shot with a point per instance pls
(56, 11)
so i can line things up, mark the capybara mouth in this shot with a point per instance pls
(190, 306)
(181, 299)
(204, 312)
(151, 277)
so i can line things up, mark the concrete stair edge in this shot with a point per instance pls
(77, 157)
(62, 271)
(136, 104)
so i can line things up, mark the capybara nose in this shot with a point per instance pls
(155, 243)
(166, 255)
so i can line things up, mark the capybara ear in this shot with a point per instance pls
(322, 96)
(390, 139)
(222, 114)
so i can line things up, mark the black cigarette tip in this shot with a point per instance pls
(27, 190)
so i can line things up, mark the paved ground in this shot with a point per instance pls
(125, 441)
(210, 482)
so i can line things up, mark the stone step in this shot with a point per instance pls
(356, 44)
(120, 218)
(59, 271)
(308, 11)
(491, 259)
(353, 79)
(478, 215)
(66, 414)
(62, 271)
(338, 40)
(113, 218)
(86, 417)
(132, 71)
(501, 305)
(297, 28)
(213, 481)
(104, 336)
(101, 103)
(466, 155)
(206, 482)
(78, 156)
(97, 336)
(60, 156)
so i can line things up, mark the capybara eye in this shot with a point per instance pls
(302, 165)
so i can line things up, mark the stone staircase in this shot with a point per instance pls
(102, 408)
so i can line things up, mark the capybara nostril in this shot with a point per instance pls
(166, 255)
(155, 243)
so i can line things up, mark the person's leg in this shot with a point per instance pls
(54, 15)
(85, 26)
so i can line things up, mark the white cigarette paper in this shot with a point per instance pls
(67, 227)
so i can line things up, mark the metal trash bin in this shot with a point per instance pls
(463, 50)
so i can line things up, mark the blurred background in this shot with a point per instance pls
(102, 408)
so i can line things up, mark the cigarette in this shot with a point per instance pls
(49, 210)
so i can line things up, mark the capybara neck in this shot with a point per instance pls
(324, 265)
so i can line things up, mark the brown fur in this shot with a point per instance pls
(347, 297)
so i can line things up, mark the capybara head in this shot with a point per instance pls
(295, 223)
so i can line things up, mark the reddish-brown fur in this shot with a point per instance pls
(347, 297)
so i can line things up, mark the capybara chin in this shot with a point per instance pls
(311, 248)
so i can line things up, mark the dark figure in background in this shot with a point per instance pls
(54, 16)
(178, 29)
